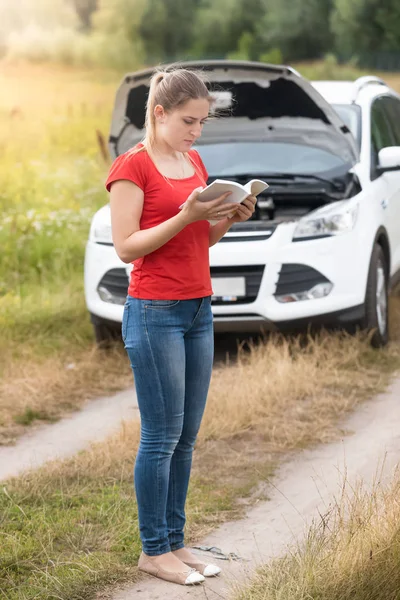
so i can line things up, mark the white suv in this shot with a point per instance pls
(324, 243)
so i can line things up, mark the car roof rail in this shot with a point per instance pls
(363, 81)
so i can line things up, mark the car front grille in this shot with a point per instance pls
(249, 231)
(116, 282)
(295, 278)
(252, 274)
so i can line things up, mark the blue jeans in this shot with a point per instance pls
(170, 345)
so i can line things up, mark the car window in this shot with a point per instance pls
(381, 133)
(392, 110)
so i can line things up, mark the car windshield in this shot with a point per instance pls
(239, 158)
(223, 159)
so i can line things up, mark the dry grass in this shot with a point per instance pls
(60, 384)
(43, 334)
(30, 89)
(291, 392)
(298, 387)
(70, 528)
(353, 553)
(49, 364)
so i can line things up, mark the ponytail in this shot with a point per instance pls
(150, 120)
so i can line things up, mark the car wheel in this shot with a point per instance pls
(377, 299)
(104, 332)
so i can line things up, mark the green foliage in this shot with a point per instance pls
(213, 34)
(29, 415)
(273, 56)
(47, 199)
(19, 14)
(69, 533)
(366, 25)
(330, 69)
(244, 48)
(300, 28)
(85, 9)
(62, 541)
(227, 28)
(166, 28)
(125, 34)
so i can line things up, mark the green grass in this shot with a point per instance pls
(52, 171)
(29, 415)
(45, 318)
(59, 541)
(68, 530)
(68, 536)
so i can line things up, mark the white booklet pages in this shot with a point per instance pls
(238, 192)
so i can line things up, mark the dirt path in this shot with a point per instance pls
(302, 489)
(94, 422)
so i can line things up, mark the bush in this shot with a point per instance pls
(67, 46)
(273, 57)
(244, 48)
(330, 69)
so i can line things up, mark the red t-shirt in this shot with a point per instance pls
(180, 269)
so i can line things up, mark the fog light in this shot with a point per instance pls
(318, 291)
(107, 296)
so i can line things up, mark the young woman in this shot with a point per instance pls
(167, 324)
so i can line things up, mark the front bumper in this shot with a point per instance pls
(251, 323)
(268, 266)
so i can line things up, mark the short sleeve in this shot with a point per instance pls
(200, 164)
(130, 166)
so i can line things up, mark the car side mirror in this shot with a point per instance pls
(389, 159)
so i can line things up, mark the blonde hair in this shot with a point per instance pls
(171, 89)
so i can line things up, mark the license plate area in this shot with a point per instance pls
(228, 288)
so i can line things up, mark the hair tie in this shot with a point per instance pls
(161, 77)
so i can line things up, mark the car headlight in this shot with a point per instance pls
(330, 224)
(101, 233)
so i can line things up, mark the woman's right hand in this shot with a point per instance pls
(197, 210)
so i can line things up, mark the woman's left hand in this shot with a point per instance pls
(244, 210)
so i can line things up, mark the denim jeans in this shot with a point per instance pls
(170, 345)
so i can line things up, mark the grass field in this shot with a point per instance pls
(52, 172)
(71, 528)
(352, 553)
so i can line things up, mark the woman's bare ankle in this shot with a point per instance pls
(168, 561)
(185, 554)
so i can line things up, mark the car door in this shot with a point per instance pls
(385, 132)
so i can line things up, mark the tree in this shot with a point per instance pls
(300, 28)
(85, 9)
(366, 25)
(167, 28)
(228, 27)
(116, 33)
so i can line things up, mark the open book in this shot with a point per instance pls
(239, 192)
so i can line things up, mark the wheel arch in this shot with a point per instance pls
(382, 239)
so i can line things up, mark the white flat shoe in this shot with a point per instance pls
(194, 578)
(208, 570)
(190, 577)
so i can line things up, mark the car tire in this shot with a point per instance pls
(105, 333)
(376, 305)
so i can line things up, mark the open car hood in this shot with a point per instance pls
(273, 101)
